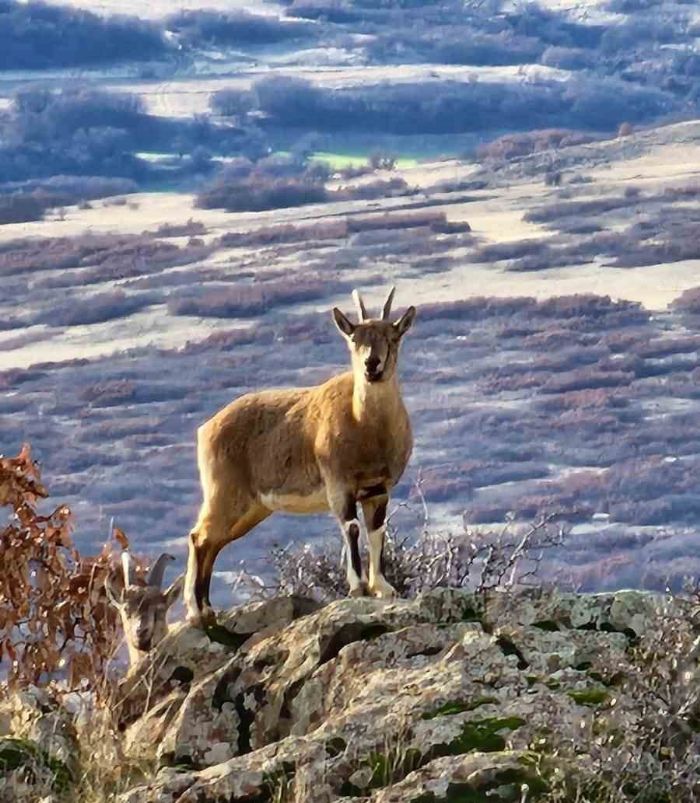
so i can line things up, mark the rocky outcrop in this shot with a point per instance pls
(448, 697)
(387, 700)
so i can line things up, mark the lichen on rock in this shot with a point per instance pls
(447, 697)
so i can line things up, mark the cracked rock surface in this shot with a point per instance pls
(434, 699)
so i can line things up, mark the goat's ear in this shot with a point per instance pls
(345, 326)
(405, 322)
(174, 590)
(115, 595)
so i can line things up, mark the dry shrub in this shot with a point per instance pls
(55, 619)
(287, 233)
(624, 130)
(381, 188)
(190, 229)
(94, 308)
(397, 220)
(103, 257)
(587, 378)
(20, 207)
(595, 206)
(655, 758)
(659, 347)
(688, 301)
(473, 559)
(243, 300)
(259, 191)
(109, 392)
(512, 146)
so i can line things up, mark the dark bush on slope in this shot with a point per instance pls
(233, 28)
(442, 107)
(38, 36)
(689, 301)
(81, 132)
(25, 201)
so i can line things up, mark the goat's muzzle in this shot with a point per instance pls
(373, 370)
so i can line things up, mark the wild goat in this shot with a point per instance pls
(143, 606)
(308, 450)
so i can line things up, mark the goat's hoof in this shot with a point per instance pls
(358, 591)
(202, 619)
(383, 590)
(208, 617)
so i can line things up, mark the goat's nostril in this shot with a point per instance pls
(371, 363)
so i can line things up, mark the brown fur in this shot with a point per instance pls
(304, 450)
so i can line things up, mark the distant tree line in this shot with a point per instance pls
(644, 48)
(443, 107)
(24, 201)
(239, 28)
(86, 132)
(59, 148)
(36, 36)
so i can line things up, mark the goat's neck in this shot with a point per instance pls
(374, 402)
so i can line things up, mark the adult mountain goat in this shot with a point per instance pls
(308, 450)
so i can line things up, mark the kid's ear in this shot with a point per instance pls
(345, 326)
(405, 322)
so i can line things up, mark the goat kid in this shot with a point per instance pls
(308, 450)
(143, 606)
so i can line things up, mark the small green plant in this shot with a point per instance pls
(483, 735)
(458, 707)
(590, 697)
(24, 758)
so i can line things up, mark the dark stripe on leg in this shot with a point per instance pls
(349, 509)
(354, 545)
(379, 515)
(202, 581)
(371, 491)
(198, 586)
(199, 594)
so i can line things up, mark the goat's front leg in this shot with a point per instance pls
(344, 507)
(374, 511)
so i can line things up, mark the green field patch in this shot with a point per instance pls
(339, 161)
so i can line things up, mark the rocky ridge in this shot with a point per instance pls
(451, 696)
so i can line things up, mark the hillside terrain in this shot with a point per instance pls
(550, 368)
(176, 227)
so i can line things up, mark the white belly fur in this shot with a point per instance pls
(315, 502)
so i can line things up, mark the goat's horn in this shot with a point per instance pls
(126, 566)
(360, 304)
(386, 312)
(155, 576)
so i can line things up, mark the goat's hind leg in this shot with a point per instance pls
(205, 542)
(212, 532)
